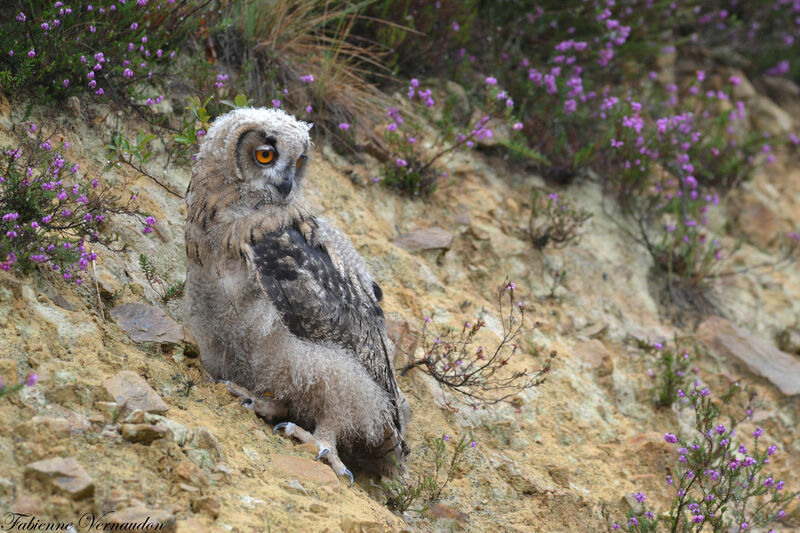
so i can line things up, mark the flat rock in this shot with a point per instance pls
(143, 433)
(132, 392)
(64, 474)
(760, 357)
(145, 323)
(433, 238)
(140, 519)
(305, 469)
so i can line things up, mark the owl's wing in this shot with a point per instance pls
(323, 300)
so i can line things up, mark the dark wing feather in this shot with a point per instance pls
(318, 303)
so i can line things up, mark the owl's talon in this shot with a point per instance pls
(349, 474)
(248, 403)
(287, 425)
(322, 453)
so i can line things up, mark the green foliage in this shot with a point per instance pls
(49, 210)
(403, 495)
(53, 50)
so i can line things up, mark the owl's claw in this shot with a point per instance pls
(349, 474)
(322, 453)
(287, 425)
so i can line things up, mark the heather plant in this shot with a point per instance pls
(402, 494)
(474, 374)
(50, 210)
(414, 151)
(719, 483)
(110, 49)
(671, 370)
(555, 221)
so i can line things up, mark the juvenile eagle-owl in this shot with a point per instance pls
(280, 303)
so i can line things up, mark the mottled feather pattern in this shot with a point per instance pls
(279, 300)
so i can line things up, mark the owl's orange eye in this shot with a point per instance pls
(299, 163)
(265, 157)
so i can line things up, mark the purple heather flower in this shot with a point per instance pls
(671, 438)
(344, 126)
(639, 497)
(491, 81)
(308, 78)
(30, 381)
(401, 162)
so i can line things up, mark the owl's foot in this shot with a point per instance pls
(264, 407)
(325, 450)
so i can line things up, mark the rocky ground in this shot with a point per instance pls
(123, 420)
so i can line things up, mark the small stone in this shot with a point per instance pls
(136, 417)
(141, 519)
(188, 488)
(208, 505)
(188, 471)
(433, 238)
(462, 215)
(27, 504)
(789, 340)
(64, 474)
(305, 469)
(143, 433)
(132, 392)
(145, 323)
(763, 359)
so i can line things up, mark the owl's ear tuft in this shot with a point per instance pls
(309, 125)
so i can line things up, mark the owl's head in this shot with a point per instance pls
(263, 151)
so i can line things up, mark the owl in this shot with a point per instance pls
(281, 305)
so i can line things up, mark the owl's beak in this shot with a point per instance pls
(286, 187)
